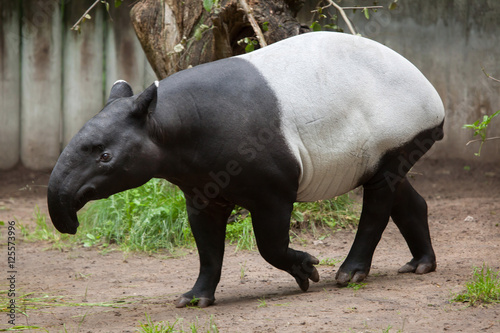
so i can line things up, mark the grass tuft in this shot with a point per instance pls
(146, 218)
(333, 214)
(484, 287)
(166, 327)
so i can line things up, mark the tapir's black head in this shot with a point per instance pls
(111, 153)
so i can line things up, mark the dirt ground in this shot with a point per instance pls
(464, 214)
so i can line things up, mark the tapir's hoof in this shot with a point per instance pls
(306, 272)
(343, 278)
(418, 267)
(201, 302)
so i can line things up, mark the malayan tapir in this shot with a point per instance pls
(307, 118)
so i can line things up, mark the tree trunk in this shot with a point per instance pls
(178, 34)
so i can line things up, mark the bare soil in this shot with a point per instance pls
(253, 296)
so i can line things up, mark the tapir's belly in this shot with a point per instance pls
(344, 101)
(331, 162)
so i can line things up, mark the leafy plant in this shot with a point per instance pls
(337, 213)
(147, 218)
(480, 128)
(484, 287)
(241, 230)
(325, 215)
(250, 43)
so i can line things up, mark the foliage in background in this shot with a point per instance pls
(480, 128)
(146, 218)
(484, 287)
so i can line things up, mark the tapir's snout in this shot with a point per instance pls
(62, 210)
(61, 201)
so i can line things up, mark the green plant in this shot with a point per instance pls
(43, 231)
(165, 327)
(241, 230)
(330, 261)
(388, 329)
(243, 267)
(262, 302)
(19, 328)
(147, 218)
(484, 287)
(479, 127)
(337, 213)
(356, 285)
(161, 327)
(250, 43)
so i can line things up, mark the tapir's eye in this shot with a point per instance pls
(105, 157)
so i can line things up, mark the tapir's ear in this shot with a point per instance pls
(146, 101)
(120, 89)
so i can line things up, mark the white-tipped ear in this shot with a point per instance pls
(146, 101)
(120, 89)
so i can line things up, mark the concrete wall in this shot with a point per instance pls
(53, 79)
(449, 41)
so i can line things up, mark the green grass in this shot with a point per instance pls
(330, 261)
(153, 217)
(28, 303)
(177, 326)
(36, 301)
(484, 287)
(146, 218)
(332, 214)
(356, 285)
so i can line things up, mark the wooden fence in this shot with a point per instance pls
(53, 79)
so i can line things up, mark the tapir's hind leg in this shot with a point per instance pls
(409, 212)
(377, 203)
(271, 225)
(388, 193)
(208, 225)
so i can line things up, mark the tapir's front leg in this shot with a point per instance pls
(271, 223)
(209, 230)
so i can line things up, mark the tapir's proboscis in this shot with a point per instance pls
(307, 118)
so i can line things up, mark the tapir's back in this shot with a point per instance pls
(345, 101)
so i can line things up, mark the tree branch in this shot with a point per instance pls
(253, 23)
(350, 8)
(74, 27)
(366, 7)
(489, 76)
(487, 139)
(344, 16)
